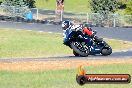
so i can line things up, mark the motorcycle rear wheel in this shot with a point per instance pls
(76, 54)
(80, 49)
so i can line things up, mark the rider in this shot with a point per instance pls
(86, 30)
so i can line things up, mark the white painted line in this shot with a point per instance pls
(50, 32)
(19, 29)
(40, 31)
(127, 50)
(29, 30)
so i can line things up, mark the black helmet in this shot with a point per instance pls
(66, 24)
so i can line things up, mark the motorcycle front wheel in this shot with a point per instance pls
(80, 49)
(106, 51)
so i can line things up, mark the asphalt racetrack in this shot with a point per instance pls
(113, 33)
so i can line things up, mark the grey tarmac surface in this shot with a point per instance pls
(113, 33)
(31, 26)
(119, 55)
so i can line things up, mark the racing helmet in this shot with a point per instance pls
(66, 24)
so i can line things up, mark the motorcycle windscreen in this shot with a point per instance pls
(66, 34)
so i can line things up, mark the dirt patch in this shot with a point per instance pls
(63, 64)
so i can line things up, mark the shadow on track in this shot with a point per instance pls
(122, 54)
(118, 55)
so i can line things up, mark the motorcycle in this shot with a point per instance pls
(84, 45)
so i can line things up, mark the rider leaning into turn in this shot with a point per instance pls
(86, 30)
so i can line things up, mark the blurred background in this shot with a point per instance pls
(97, 13)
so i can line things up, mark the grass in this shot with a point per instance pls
(22, 43)
(118, 45)
(70, 5)
(60, 78)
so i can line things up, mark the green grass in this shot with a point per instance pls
(61, 78)
(118, 45)
(70, 5)
(22, 43)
